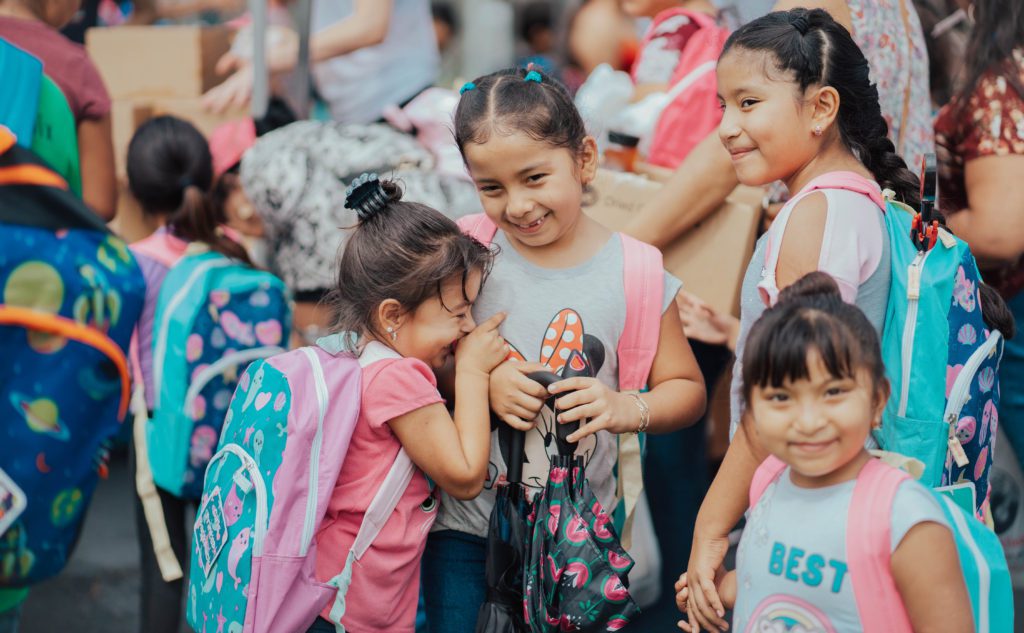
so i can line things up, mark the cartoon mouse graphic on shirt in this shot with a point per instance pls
(567, 350)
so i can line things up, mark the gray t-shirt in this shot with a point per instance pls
(791, 566)
(552, 312)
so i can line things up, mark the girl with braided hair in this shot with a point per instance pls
(798, 106)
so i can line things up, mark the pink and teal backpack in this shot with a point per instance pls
(266, 490)
(868, 552)
(214, 316)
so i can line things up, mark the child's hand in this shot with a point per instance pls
(483, 348)
(726, 589)
(590, 398)
(516, 399)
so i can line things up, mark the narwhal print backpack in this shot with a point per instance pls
(285, 438)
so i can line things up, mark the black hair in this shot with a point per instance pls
(816, 50)
(442, 12)
(810, 315)
(170, 172)
(534, 17)
(504, 102)
(403, 251)
(998, 30)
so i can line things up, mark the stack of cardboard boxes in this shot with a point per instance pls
(154, 70)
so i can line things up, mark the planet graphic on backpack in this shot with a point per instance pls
(41, 415)
(37, 285)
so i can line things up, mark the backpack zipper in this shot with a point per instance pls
(314, 457)
(62, 326)
(235, 358)
(960, 391)
(161, 341)
(249, 464)
(914, 273)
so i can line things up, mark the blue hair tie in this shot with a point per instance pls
(533, 75)
(466, 87)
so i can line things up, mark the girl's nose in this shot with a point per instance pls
(810, 420)
(519, 205)
(729, 127)
(468, 324)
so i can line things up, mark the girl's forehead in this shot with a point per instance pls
(511, 151)
(742, 68)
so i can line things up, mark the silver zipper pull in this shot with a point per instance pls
(956, 448)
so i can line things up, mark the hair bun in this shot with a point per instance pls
(812, 284)
(800, 23)
(366, 196)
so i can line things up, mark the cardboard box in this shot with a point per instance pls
(157, 61)
(710, 258)
(192, 111)
(126, 116)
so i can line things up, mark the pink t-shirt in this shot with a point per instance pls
(385, 581)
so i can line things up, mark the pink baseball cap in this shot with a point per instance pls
(229, 142)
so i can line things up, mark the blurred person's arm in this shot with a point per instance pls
(96, 164)
(596, 36)
(699, 186)
(366, 26)
(993, 222)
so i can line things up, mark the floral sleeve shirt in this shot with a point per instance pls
(991, 124)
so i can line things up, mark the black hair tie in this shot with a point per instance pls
(800, 23)
(366, 196)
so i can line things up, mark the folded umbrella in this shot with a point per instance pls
(506, 543)
(576, 568)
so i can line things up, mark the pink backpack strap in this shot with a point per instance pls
(643, 280)
(849, 181)
(479, 227)
(157, 247)
(846, 180)
(869, 550)
(769, 470)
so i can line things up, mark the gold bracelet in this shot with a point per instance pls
(645, 414)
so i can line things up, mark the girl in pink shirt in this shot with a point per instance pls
(406, 286)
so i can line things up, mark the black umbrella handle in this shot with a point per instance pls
(515, 457)
(562, 431)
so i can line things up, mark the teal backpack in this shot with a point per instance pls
(214, 315)
(941, 359)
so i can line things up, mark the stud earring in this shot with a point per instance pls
(392, 333)
(817, 130)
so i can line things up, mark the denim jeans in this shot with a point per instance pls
(453, 581)
(321, 626)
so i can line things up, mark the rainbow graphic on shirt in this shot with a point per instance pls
(780, 613)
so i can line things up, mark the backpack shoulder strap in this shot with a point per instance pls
(383, 504)
(868, 548)
(644, 289)
(479, 227)
(643, 280)
(769, 470)
(156, 247)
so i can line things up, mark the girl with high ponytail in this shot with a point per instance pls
(798, 106)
